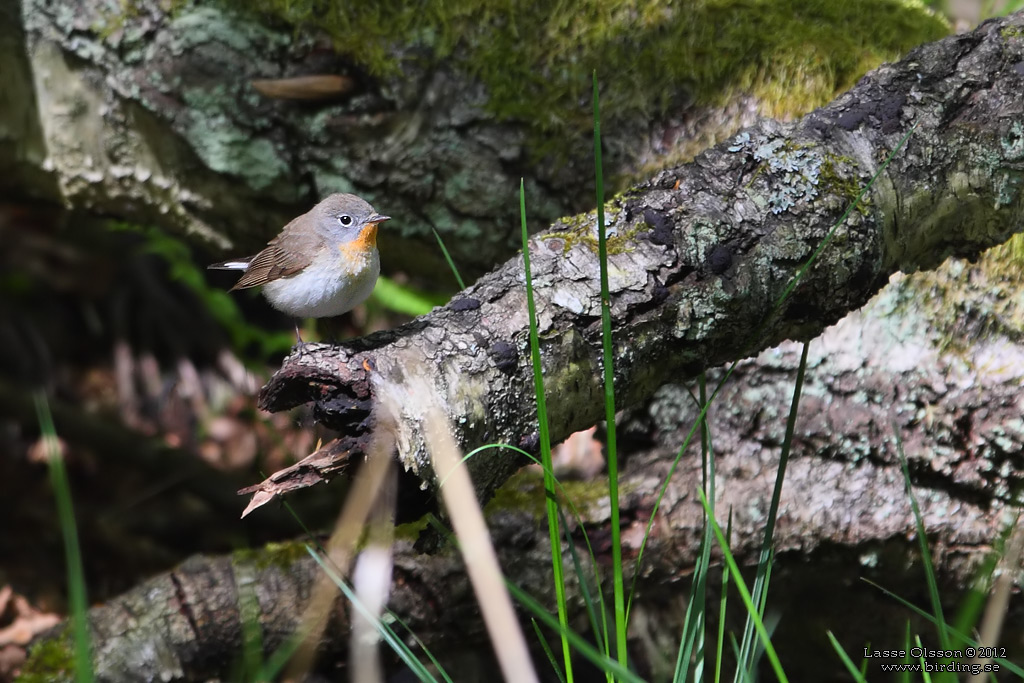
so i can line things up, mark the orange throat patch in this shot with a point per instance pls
(367, 237)
(363, 243)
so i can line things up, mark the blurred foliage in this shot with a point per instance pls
(406, 300)
(220, 305)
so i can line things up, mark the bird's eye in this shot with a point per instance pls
(345, 219)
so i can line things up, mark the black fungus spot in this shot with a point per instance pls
(464, 304)
(530, 442)
(661, 227)
(659, 293)
(505, 357)
(817, 124)
(883, 107)
(849, 120)
(889, 111)
(1018, 68)
(719, 259)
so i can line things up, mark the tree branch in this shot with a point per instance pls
(702, 253)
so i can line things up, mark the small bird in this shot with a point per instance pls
(324, 263)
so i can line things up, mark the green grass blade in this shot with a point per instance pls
(736, 653)
(594, 609)
(278, 660)
(430, 655)
(926, 555)
(609, 394)
(741, 588)
(695, 620)
(847, 662)
(925, 676)
(580, 644)
(760, 591)
(693, 636)
(973, 604)
(78, 603)
(723, 604)
(707, 452)
(448, 258)
(545, 443)
(708, 481)
(547, 651)
(386, 632)
(961, 638)
(906, 658)
(668, 478)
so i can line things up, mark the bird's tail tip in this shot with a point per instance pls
(234, 264)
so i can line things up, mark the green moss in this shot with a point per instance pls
(411, 531)
(524, 492)
(650, 55)
(581, 229)
(587, 495)
(1009, 32)
(50, 660)
(847, 187)
(111, 21)
(279, 555)
(577, 229)
(991, 307)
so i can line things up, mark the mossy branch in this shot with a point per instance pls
(712, 245)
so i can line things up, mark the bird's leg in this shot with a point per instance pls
(299, 344)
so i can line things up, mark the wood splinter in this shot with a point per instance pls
(306, 88)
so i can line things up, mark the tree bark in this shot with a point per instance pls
(701, 256)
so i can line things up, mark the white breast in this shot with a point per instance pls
(325, 288)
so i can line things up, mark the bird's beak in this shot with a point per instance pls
(377, 218)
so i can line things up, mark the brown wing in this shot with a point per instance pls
(285, 255)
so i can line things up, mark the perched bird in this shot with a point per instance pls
(324, 263)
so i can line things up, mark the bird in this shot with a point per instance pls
(322, 264)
